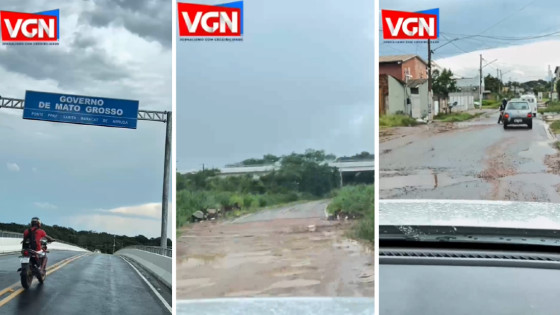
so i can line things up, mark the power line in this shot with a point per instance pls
(508, 16)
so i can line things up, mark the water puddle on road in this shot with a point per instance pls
(198, 282)
(196, 261)
(289, 284)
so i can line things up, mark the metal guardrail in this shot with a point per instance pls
(152, 249)
(6, 234)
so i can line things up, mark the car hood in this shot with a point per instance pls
(278, 306)
(487, 214)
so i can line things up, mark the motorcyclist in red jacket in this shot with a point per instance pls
(38, 233)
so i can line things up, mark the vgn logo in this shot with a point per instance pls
(223, 20)
(30, 27)
(399, 25)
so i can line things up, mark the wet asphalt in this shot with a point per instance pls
(93, 284)
(478, 160)
(9, 265)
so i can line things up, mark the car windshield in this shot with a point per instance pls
(450, 157)
(517, 106)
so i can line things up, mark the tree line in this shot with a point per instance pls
(88, 239)
(299, 176)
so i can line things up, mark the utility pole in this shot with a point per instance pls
(551, 82)
(480, 84)
(498, 77)
(429, 67)
(430, 99)
(114, 243)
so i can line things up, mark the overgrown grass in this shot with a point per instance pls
(455, 117)
(553, 107)
(358, 201)
(397, 121)
(555, 126)
(490, 104)
(557, 145)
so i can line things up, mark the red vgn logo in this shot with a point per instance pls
(196, 20)
(399, 25)
(30, 27)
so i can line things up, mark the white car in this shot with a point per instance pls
(532, 100)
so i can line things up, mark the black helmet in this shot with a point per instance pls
(36, 222)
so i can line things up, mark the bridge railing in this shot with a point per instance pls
(6, 234)
(153, 249)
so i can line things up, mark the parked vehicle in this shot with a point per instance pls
(518, 113)
(532, 100)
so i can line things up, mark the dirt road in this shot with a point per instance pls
(475, 159)
(288, 251)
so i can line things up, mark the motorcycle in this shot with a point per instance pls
(33, 264)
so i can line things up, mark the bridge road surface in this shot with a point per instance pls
(473, 160)
(92, 284)
(273, 253)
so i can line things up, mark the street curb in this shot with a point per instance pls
(549, 132)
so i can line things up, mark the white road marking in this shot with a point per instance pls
(163, 301)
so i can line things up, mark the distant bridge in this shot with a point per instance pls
(343, 167)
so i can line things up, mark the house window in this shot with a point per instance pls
(414, 90)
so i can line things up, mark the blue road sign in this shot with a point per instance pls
(77, 109)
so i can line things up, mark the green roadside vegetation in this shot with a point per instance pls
(553, 107)
(455, 117)
(555, 126)
(356, 201)
(397, 120)
(491, 104)
(298, 177)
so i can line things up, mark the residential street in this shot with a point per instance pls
(476, 159)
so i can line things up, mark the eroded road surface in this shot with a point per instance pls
(476, 159)
(289, 251)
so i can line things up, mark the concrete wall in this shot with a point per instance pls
(13, 245)
(396, 99)
(160, 266)
(465, 101)
(421, 105)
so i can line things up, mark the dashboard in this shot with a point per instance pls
(434, 281)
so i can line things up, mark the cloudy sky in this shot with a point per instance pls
(87, 177)
(302, 78)
(519, 60)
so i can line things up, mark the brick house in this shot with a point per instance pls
(403, 67)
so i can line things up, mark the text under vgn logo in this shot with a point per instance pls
(31, 28)
(211, 22)
(401, 25)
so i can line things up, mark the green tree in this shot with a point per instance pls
(491, 83)
(443, 83)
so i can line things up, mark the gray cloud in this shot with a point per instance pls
(73, 69)
(147, 18)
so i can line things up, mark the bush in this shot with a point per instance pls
(555, 126)
(396, 121)
(455, 117)
(366, 228)
(356, 201)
